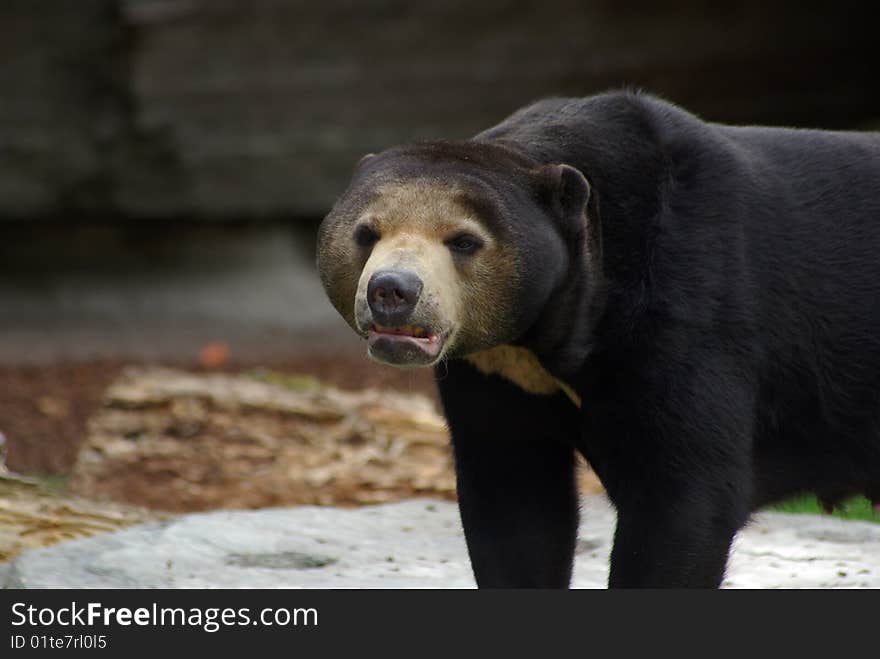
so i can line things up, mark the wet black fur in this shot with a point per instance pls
(726, 344)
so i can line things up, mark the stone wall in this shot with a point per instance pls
(231, 109)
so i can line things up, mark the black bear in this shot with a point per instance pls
(693, 307)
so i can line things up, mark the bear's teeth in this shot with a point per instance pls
(405, 330)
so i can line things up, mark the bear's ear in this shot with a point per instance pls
(574, 203)
(567, 191)
(364, 159)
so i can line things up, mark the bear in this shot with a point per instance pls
(693, 307)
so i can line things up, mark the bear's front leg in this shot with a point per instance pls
(685, 545)
(674, 455)
(515, 466)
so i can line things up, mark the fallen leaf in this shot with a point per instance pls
(50, 406)
(214, 354)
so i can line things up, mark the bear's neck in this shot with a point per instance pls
(563, 337)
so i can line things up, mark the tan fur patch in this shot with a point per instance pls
(414, 219)
(421, 206)
(430, 261)
(521, 367)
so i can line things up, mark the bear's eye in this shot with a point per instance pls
(365, 236)
(464, 243)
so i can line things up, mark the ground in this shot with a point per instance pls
(112, 444)
(44, 420)
(44, 407)
(410, 544)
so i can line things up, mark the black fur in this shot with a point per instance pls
(734, 357)
(723, 332)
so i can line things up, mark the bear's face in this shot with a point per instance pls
(433, 255)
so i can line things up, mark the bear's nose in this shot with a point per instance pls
(392, 296)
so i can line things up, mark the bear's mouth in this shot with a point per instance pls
(404, 345)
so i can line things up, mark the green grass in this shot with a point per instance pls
(856, 508)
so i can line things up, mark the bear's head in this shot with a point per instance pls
(444, 249)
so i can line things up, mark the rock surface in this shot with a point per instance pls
(153, 292)
(414, 544)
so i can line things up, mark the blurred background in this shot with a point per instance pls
(164, 165)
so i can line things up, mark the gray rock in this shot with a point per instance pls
(414, 544)
(74, 293)
(411, 544)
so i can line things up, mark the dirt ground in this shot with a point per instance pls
(47, 410)
(106, 444)
(44, 408)
(181, 441)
